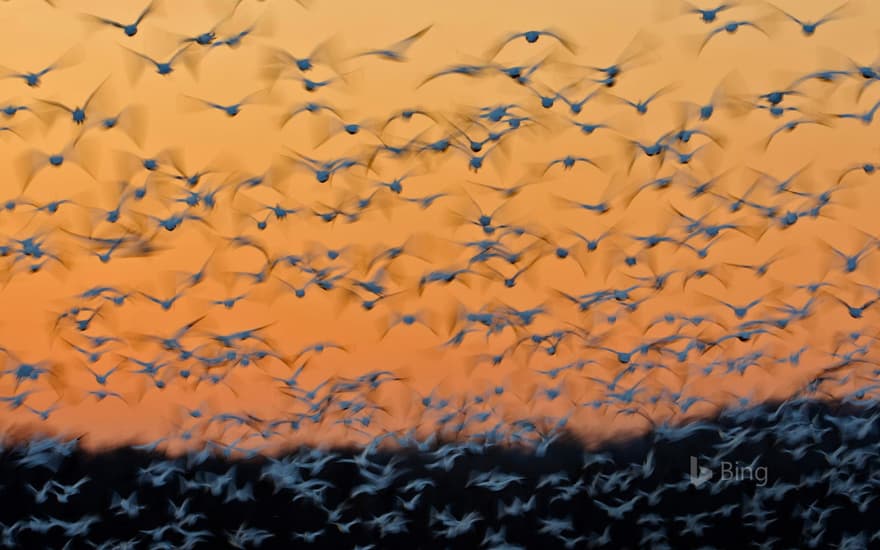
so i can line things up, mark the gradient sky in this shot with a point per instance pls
(35, 35)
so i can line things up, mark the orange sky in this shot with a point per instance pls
(461, 33)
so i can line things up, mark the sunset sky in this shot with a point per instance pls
(372, 89)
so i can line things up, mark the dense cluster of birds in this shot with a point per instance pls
(451, 494)
(593, 244)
